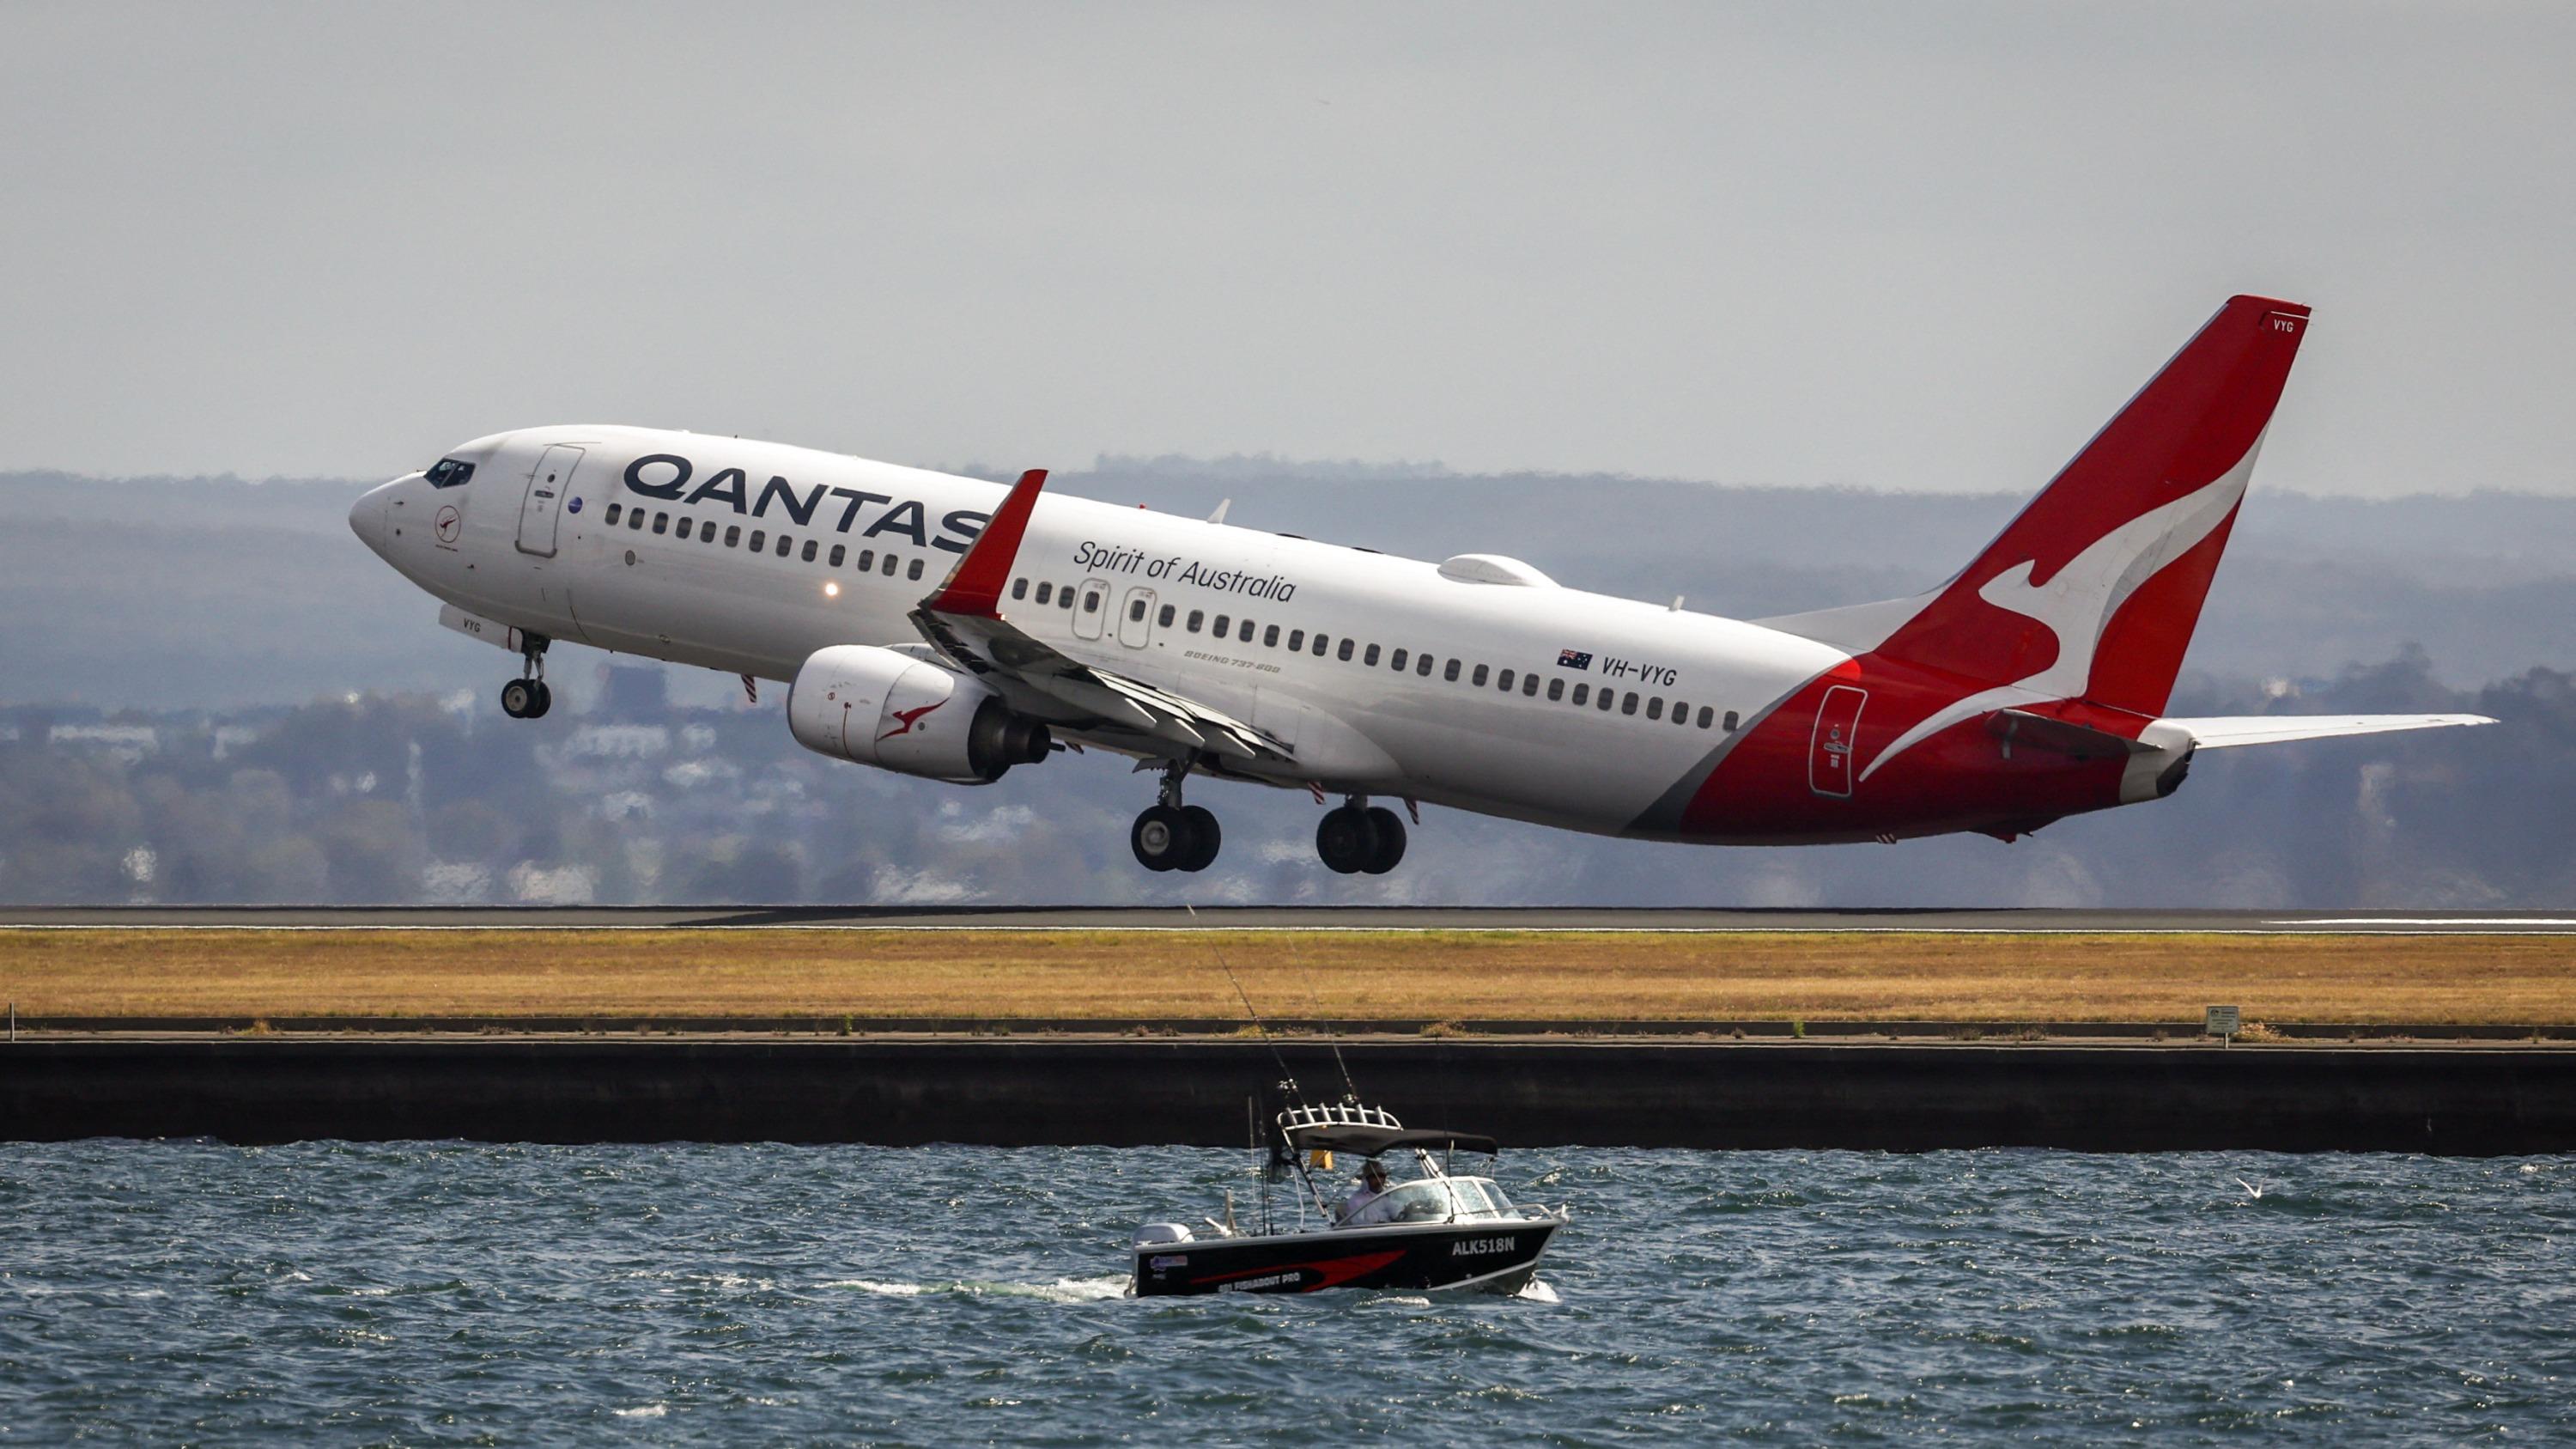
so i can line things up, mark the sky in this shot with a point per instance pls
(1900, 246)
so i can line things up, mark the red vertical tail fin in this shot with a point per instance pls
(2093, 590)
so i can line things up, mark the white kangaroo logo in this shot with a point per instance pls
(2077, 603)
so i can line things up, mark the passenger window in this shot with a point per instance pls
(1270, 637)
(1320, 644)
(1371, 659)
(1136, 611)
(1582, 692)
(784, 544)
(1705, 715)
(1529, 685)
(1397, 662)
(810, 549)
(914, 572)
(1655, 707)
(1629, 705)
(1164, 619)
(635, 519)
(661, 523)
(1244, 632)
(1197, 617)
(1063, 595)
(839, 552)
(1296, 640)
(1556, 689)
(1422, 666)
(1451, 673)
(1479, 678)
(758, 538)
(1091, 601)
(1019, 588)
(614, 510)
(1730, 721)
(1681, 714)
(686, 523)
(1343, 654)
(1502, 681)
(1224, 626)
(733, 534)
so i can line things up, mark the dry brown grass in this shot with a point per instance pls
(1432, 975)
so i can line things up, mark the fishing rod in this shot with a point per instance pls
(1280, 1155)
(1333, 1039)
(1287, 1079)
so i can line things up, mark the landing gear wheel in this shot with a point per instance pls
(519, 699)
(1347, 839)
(1204, 837)
(1387, 831)
(545, 701)
(1161, 838)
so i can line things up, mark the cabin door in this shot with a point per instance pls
(542, 508)
(1136, 618)
(1829, 754)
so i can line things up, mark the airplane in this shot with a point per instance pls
(954, 629)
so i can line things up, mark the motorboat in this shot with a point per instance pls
(1433, 1231)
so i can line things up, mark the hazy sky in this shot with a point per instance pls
(1919, 246)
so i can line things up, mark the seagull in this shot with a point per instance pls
(2251, 1189)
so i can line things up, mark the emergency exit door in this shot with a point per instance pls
(1136, 618)
(542, 509)
(1830, 762)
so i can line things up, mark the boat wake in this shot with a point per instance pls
(1062, 1290)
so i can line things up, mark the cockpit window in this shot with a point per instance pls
(449, 473)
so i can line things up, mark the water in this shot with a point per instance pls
(425, 1293)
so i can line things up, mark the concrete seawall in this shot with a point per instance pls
(1131, 1091)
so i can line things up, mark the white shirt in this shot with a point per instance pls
(1356, 1206)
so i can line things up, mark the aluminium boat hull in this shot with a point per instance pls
(1490, 1255)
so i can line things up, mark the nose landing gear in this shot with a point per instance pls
(1358, 836)
(1172, 836)
(527, 697)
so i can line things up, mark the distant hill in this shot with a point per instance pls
(185, 592)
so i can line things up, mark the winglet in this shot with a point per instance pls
(974, 587)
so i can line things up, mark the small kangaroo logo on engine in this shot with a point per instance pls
(910, 717)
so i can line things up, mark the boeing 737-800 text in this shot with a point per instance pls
(950, 628)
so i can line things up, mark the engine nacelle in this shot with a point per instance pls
(879, 707)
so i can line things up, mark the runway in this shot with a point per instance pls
(1277, 918)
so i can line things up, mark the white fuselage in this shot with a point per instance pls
(1150, 590)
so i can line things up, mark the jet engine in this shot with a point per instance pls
(889, 709)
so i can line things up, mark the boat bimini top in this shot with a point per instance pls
(1369, 1131)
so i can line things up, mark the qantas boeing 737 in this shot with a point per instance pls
(950, 628)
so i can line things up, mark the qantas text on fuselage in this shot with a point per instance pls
(951, 628)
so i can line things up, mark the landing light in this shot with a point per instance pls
(831, 591)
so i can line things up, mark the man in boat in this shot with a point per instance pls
(1371, 1191)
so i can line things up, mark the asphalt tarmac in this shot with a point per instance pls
(1309, 918)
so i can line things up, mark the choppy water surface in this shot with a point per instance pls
(438, 1292)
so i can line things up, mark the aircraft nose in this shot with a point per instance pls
(367, 517)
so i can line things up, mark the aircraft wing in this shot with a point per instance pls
(2269, 729)
(962, 619)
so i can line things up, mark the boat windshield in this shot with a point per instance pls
(1436, 1200)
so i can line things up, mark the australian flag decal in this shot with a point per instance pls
(1573, 659)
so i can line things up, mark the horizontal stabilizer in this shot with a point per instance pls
(2273, 729)
(2082, 742)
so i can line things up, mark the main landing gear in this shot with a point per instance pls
(527, 697)
(1172, 836)
(1358, 836)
